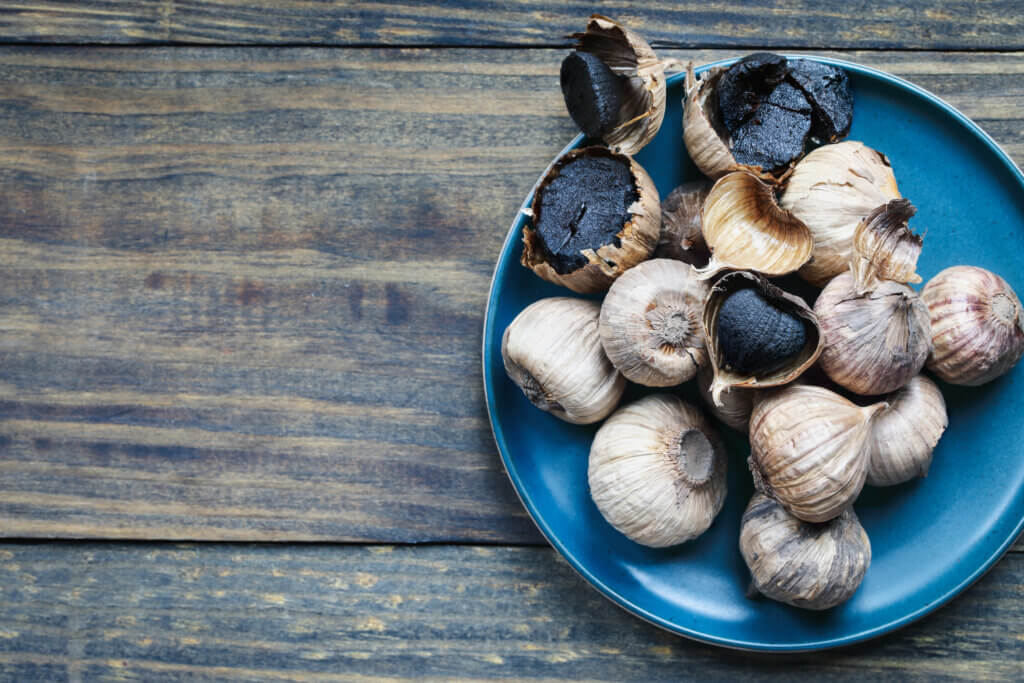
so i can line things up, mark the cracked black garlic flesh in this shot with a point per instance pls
(552, 351)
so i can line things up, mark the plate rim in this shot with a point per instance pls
(608, 592)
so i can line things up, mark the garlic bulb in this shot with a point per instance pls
(977, 326)
(809, 449)
(758, 339)
(875, 341)
(832, 190)
(651, 323)
(598, 240)
(884, 248)
(643, 100)
(904, 435)
(746, 230)
(736, 402)
(552, 351)
(813, 566)
(702, 125)
(657, 471)
(681, 236)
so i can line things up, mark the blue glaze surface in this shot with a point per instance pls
(930, 538)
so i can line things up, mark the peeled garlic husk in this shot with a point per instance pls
(832, 190)
(706, 140)
(637, 238)
(681, 236)
(977, 325)
(627, 54)
(813, 566)
(657, 471)
(736, 402)
(552, 351)
(747, 230)
(725, 378)
(873, 342)
(651, 323)
(904, 435)
(809, 449)
(884, 248)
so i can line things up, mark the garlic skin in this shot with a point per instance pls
(812, 566)
(832, 190)
(904, 435)
(884, 247)
(737, 403)
(977, 325)
(727, 379)
(651, 323)
(657, 471)
(875, 342)
(809, 449)
(681, 237)
(627, 54)
(747, 230)
(637, 238)
(552, 351)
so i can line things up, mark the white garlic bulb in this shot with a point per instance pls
(977, 325)
(831, 190)
(657, 471)
(809, 449)
(904, 435)
(651, 323)
(813, 566)
(552, 351)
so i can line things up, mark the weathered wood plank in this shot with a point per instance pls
(157, 612)
(241, 290)
(950, 24)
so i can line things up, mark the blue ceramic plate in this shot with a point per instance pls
(930, 538)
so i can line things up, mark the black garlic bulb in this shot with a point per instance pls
(755, 335)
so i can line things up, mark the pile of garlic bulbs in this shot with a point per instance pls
(696, 304)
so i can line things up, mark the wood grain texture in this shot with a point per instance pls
(916, 24)
(242, 290)
(214, 612)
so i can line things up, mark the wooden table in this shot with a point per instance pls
(245, 252)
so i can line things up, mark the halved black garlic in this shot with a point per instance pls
(760, 114)
(614, 85)
(757, 335)
(595, 215)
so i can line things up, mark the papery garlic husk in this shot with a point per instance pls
(747, 230)
(884, 248)
(651, 323)
(657, 471)
(681, 236)
(637, 238)
(629, 55)
(812, 566)
(552, 351)
(809, 449)
(873, 342)
(736, 402)
(977, 325)
(725, 378)
(904, 435)
(832, 190)
(706, 140)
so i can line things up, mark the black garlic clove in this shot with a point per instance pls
(592, 92)
(755, 336)
(827, 89)
(746, 84)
